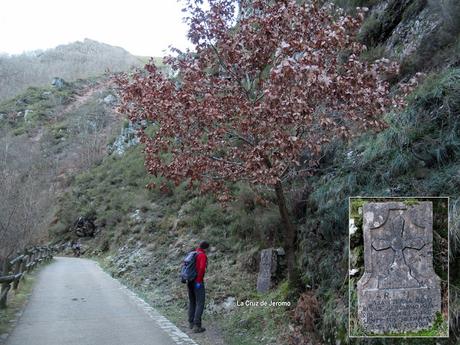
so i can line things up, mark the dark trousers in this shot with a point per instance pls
(196, 303)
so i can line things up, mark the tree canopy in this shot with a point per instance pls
(279, 79)
(269, 82)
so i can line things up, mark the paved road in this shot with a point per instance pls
(75, 302)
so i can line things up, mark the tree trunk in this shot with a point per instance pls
(289, 233)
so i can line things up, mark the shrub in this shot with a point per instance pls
(373, 53)
(370, 31)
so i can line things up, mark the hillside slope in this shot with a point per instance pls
(72, 61)
(47, 135)
(142, 235)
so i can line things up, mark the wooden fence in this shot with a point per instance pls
(11, 271)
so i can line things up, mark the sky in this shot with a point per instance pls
(143, 27)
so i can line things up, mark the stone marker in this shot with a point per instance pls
(267, 267)
(399, 290)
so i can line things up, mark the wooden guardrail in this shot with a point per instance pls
(12, 270)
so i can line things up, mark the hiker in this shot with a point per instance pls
(76, 249)
(193, 274)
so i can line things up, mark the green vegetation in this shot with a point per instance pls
(410, 202)
(418, 154)
(172, 221)
(370, 30)
(110, 190)
(16, 301)
(40, 107)
(413, 155)
(256, 325)
(117, 187)
(373, 53)
(414, 8)
(35, 105)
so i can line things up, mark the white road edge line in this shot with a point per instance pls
(179, 337)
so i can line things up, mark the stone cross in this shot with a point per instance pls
(267, 267)
(399, 290)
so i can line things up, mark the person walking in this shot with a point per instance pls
(196, 289)
(76, 247)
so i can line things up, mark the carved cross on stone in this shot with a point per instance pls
(399, 274)
(399, 290)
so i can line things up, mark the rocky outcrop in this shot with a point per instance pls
(110, 99)
(125, 139)
(408, 35)
(415, 33)
(84, 227)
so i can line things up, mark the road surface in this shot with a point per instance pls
(75, 302)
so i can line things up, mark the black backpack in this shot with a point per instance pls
(188, 272)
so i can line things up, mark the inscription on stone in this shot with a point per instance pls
(399, 290)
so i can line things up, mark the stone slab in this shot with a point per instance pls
(399, 290)
(267, 268)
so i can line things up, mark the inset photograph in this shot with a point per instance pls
(398, 267)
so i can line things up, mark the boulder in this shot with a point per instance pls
(84, 227)
(110, 99)
(229, 303)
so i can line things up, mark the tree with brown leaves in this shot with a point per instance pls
(267, 81)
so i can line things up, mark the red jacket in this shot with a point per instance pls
(201, 263)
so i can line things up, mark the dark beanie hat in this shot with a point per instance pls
(204, 245)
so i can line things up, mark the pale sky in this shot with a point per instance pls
(143, 27)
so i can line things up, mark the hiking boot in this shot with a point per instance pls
(190, 325)
(198, 329)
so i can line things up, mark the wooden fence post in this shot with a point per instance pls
(22, 265)
(16, 271)
(32, 259)
(5, 286)
(29, 259)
